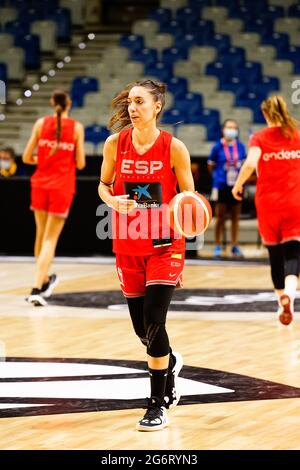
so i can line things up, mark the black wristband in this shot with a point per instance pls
(106, 184)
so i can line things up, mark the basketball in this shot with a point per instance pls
(190, 213)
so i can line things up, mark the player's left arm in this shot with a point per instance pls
(246, 171)
(28, 156)
(181, 163)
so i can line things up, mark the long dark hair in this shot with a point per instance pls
(60, 101)
(276, 110)
(121, 119)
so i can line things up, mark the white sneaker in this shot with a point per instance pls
(48, 288)
(155, 417)
(37, 300)
(172, 393)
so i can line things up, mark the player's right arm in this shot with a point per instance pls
(28, 156)
(80, 153)
(107, 176)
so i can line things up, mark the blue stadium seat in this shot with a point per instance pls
(247, 14)
(186, 41)
(173, 27)
(294, 10)
(257, 25)
(258, 117)
(162, 15)
(81, 86)
(172, 54)
(62, 17)
(178, 86)
(234, 57)
(250, 100)
(160, 70)
(292, 54)
(219, 70)
(220, 41)
(197, 5)
(251, 72)
(174, 116)
(209, 118)
(191, 103)
(28, 15)
(3, 72)
(133, 42)
(271, 12)
(278, 40)
(31, 45)
(204, 27)
(266, 85)
(96, 134)
(234, 85)
(17, 28)
(147, 56)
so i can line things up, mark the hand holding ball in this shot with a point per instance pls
(190, 213)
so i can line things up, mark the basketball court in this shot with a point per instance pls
(74, 375)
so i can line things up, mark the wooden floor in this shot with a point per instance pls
(254, 345)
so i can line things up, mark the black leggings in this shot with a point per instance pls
(284, 261)
(148, 315)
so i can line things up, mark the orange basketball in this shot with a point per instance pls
(190, 213)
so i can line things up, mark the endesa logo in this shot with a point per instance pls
(282, 155)
(69, 146)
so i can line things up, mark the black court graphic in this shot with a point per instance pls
(197, 300)
(147, 195)
(38, 386)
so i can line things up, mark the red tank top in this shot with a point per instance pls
(57, 171)
(278, 183)
(150, 180)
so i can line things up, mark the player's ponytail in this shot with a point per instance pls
(60, 101)
(121, 119)
(276, 111)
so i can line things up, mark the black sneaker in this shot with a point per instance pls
(35, 298)
(172, 395)
(49, 286)
(155, 417)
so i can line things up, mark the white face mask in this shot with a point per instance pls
(5, 164)
(230, 133)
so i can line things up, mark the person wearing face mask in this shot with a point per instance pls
(224, 162)
(8, 165)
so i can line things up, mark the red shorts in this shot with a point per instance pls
(54, 201)
(137, 272)
(278, 226)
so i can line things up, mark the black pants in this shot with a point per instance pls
(148, 315)
(284, 261)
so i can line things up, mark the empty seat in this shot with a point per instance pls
(146, 28)
(76, 8)
(46, 30)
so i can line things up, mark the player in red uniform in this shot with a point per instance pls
(60, 150)
(275, 152)
(141, 168)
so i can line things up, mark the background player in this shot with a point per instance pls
(141, 155)
(60, 150)
(275, 152)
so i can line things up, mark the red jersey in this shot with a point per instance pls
(278, 183)
(150, 180)
(57, 171)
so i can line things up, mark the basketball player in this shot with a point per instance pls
(275, 152)
(60, 150)
(143, 165)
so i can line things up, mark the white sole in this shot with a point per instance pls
(140, 427)
(50, 289)
(37, 301)
(177, 369)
